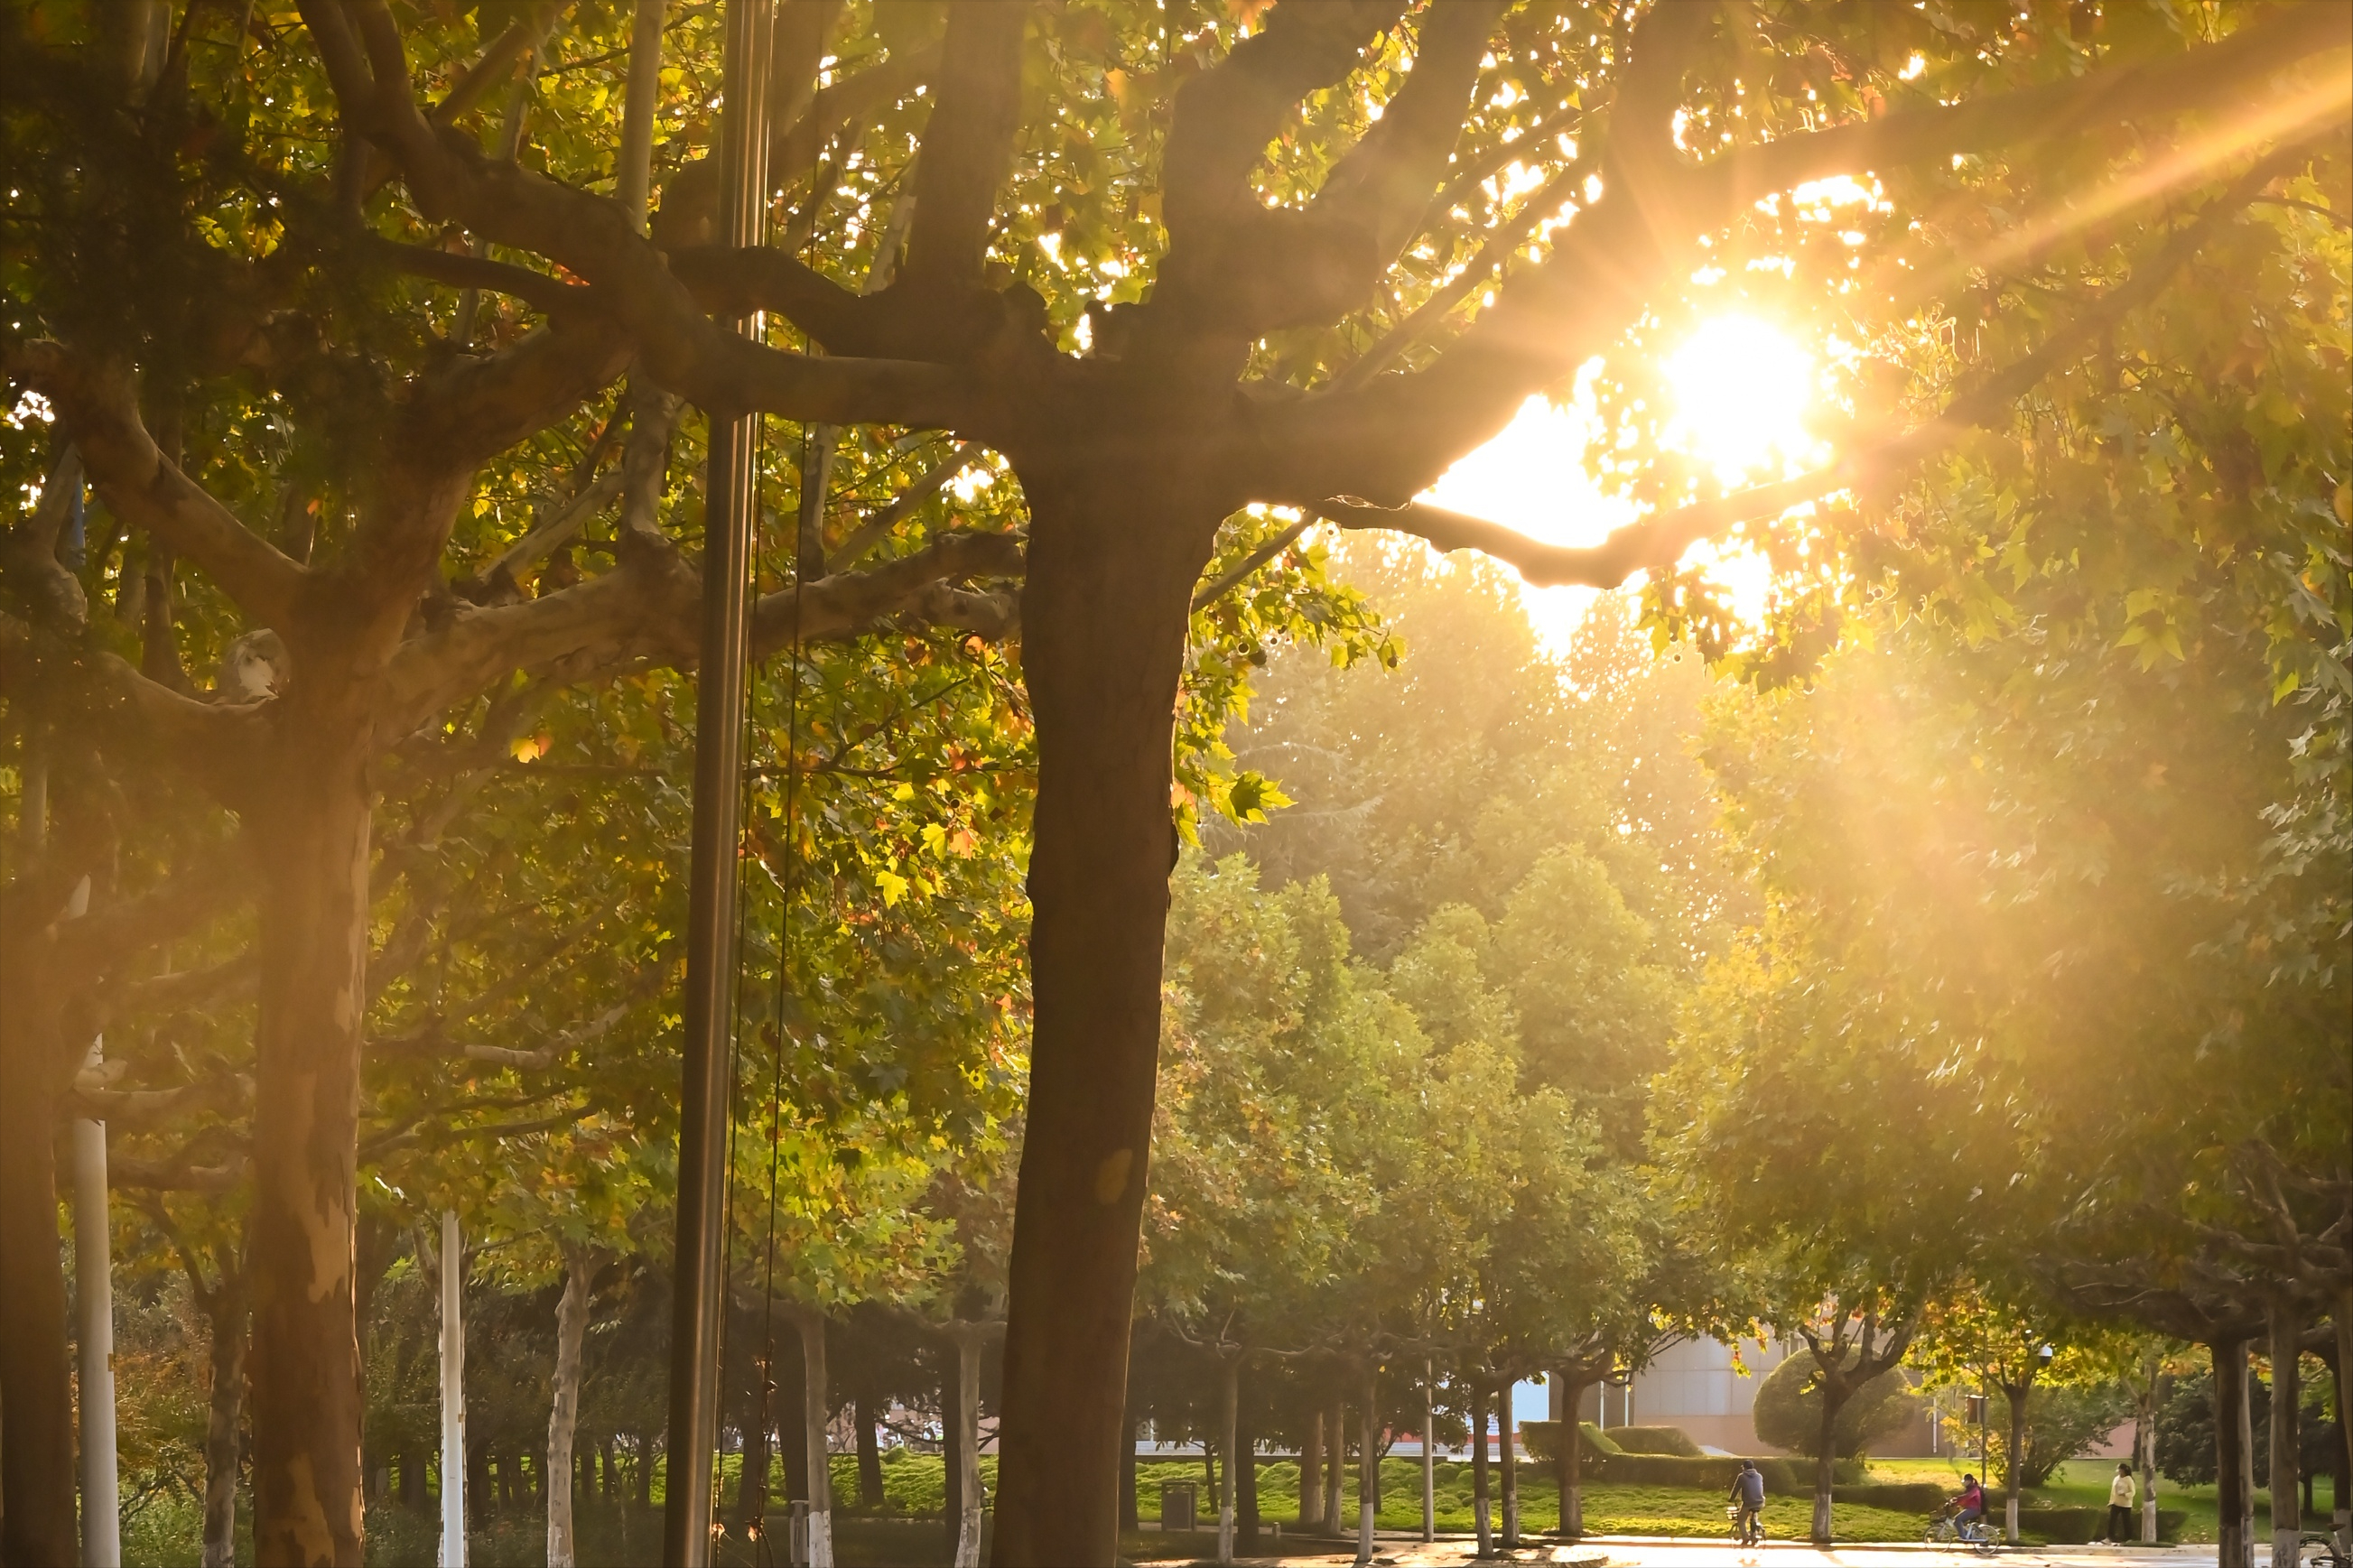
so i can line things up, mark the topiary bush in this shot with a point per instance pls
(1537, 1438)
(1672, 1440)
(1789, 1410)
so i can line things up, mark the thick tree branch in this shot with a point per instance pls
(902, 505)
(1391, 437)
(645, 616)
(1233, 264)
(98, 405)
(549, 296)
(967, 148)
(1384, 183)
(1659, 541)
(593, 238)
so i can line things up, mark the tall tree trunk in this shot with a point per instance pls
(36, 1438)
(1428, 1452)
(967, 1348)
(1569, 1458)
(2144, 1443)
(1244, 1468)
(1311, 1473)
(817, 1410)
(2013, 1457)
(1112, 560)
(1335, 1466)
(2287, 1393)
(1508, 1453)
(752, 1477)
(564, 1415)
(1368, 1465)
(1128, 1518)
(225, 1320)
(307, 1403)
(870, 1458)
(951, 1441)
(1826, 1458)
(2342, 1513)
(1229, 1375)
(2234, 1478)
(1482, 1516)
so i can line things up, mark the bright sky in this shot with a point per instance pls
(1742, 388)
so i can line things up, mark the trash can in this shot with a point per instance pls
(1179, 1504)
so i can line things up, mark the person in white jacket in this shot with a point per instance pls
(2120, 1505)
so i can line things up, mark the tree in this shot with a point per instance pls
(1789, 1411)
(1129, 457)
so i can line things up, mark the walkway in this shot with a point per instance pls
(1637, 1551)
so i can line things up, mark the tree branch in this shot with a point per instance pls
(650, 616)
(593, 238)
(968, 147)
(1392, 436)
(98, 406)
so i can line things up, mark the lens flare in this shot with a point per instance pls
(1741, 391)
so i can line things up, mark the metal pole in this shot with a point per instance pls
(102, 1502)
(453, 1394)
(730, 501)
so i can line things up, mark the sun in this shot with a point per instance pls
(1742, 387)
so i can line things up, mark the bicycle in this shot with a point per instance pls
(2327, 1556)
(1946, 1530)
(1747, 1524)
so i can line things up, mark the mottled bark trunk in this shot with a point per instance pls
(1826, 1458)
(1112, 560)
(969, 1523)
(870, 1458)
(1482, 1516)
(307, 1403)
(564, 1413)
(1128, 1518)
(2013, 1458)
(1368, 1465)
(1570, 1459)
(2343, 1511)
(36, 1438)
(227, 1322)
(951, 1429)
(1229, 1372)
(1311, 1473)
(815, 1411)
(2288, 1458)
(1508, 1457)
(2234, 1488)
(1335, 1466)
(1245, 1471)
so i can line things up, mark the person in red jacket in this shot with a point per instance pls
(1968, 1509)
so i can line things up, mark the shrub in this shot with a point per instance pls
(1789, 1410)
(2061, 1424)
(1672, 1440)
(1783, 1477)
(1538, 1436)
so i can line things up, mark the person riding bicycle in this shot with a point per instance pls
(1968, 1509)
(1748, 1495)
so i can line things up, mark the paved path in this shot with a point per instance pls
(1635, 1552)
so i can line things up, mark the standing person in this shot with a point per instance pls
(2120, 1505)
(1749, 1497)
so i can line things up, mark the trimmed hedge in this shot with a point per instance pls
(1898, 1497)
(2076, 1526)
(1670, 1440)
(1783, 1477)
(1536, 1437)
